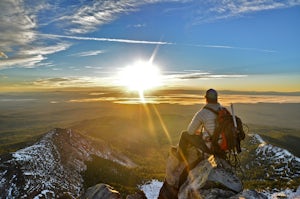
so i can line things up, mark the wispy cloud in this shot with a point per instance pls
(17, 25)
(137, 25)
(18, 28)
(32, 56)
(187, 75)
(21, 40)
(91, 15)
(93, 67)
(24, 61)
(232, 47)
(217, 10)
(3, 55)
(44, 50)
(88, 53)
(64, 82)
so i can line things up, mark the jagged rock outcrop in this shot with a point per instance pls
(211, 173)
(104, 191)
(137, 195)
(202, 177)
(101, 191)
(52, 167)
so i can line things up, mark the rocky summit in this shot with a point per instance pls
(202, 177)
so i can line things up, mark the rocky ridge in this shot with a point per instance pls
(52, 167)
(277, 162)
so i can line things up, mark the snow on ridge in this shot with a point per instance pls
(280, 153)
(27, 153)
(259, 139)
(288, 193)
(278, 163)
(53, 165)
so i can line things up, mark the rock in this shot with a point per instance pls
(101, 191)
(175, 168)
(213, 193)
(176, 172)
(168, 191)
(209, 174)
(138, 195)
(249, 194)
(202, 177)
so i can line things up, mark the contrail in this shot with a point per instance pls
(156, 43)
(107, 39)
(231, 47)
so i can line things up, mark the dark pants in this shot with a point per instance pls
(194, 140)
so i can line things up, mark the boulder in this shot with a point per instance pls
(138, 195)
(202, 177)
(177, 171)
(101, 191)
(211, 173)
(249, 194)
(175, 167)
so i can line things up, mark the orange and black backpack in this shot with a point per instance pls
(226, 137)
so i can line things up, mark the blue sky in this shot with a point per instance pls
(232, 45)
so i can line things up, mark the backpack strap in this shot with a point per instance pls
(211, 109)
(215, 112)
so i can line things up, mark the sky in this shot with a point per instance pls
(228, 45)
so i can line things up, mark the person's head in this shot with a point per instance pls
(211, 96)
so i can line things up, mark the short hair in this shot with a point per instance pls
(211, 95)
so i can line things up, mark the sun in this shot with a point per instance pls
(140, 76)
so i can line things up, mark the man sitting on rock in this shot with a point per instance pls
(201, 128)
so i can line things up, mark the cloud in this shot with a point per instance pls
(32, 56)
(93, 67)
(88, 53)
(20, 22)
(24, 61)
(137, 25)
(230, 47)
(2, 54)
(18, 34)
(219, 10)
(17, 26)
(91, 15)
(64, 82)
(194, 74)
(44, 50)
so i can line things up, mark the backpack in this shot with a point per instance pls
(225, 129)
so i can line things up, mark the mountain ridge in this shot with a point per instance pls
(52, 166)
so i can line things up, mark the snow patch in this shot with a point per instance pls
(151, 189)
(288, 194)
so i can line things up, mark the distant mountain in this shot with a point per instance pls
(52, 167)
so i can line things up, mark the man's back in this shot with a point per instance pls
(204, 118)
